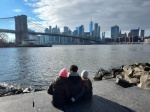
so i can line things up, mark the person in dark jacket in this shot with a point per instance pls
(75, 84)
(87, 84)
(60, 90)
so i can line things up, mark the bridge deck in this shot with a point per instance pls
(107, 97)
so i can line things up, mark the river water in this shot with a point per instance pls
(38, 67)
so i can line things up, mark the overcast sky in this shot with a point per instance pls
(127, 14)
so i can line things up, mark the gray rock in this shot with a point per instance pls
(146, 68)
(137, 74)
(145, 80)
(100, 74)
(35, 90)
(9, 93)
(2, 87)
(27, 90)
(19, 91)
(123, 83)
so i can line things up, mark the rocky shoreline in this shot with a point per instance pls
(137, 74)
(6, 90)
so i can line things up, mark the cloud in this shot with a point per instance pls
(25, 0)
(17, 10)
(127, 14)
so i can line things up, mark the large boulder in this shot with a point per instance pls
(123, 83)
(145, 80)
(100, 74)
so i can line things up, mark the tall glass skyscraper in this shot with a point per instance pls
(81, 30)
(114, 32)
(91, 28)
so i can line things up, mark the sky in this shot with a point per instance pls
(127, 14)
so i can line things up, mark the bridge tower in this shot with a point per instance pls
(21, 27)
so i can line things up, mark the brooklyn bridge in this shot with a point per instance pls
(22, 31)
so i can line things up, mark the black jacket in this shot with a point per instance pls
(88, 88)
(76, 87)
(60, 91)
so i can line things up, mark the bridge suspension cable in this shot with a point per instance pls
(34, 25)
(7, 23)
(7, 18)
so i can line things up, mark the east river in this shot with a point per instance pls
(38, 67)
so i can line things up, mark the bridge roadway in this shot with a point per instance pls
(107, 97)
(49, 34)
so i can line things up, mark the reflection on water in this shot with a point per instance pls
(39, 66)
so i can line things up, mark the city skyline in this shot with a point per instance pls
(126, 14)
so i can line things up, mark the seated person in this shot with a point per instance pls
(60, 90)
(75, 84)
(87, 84)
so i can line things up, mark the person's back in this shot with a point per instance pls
(87, 84)
(75, 83)
(60, 90)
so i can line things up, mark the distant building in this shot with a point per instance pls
(99, 30)
(30, 42)
(66, 29)
(75, 32)
(50, 37)
(136, 35)
(122, 37)
(147, 39)
(81, 30)
(56, 39)
(96, 30)
(108, 40)
(91, 28)
(77, 28)
(114, 32)
(46, 37)
(87, 35)
(103, 36)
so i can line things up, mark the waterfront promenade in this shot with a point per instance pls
(107, 97)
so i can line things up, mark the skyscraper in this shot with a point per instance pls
(114, 32)
(95, 30)
(46, 37)
(91, 28)
(81, 30)
(136, 35)
(98, 32)
(66, 29)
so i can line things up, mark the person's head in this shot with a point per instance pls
(84, 74)
(63, 73)
(73, 68)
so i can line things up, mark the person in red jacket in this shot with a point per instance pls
(60, 90)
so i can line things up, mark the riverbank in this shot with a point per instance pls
(107, 97)
(137, 74)
(8, 90)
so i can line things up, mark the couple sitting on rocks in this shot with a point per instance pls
(70, 87)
